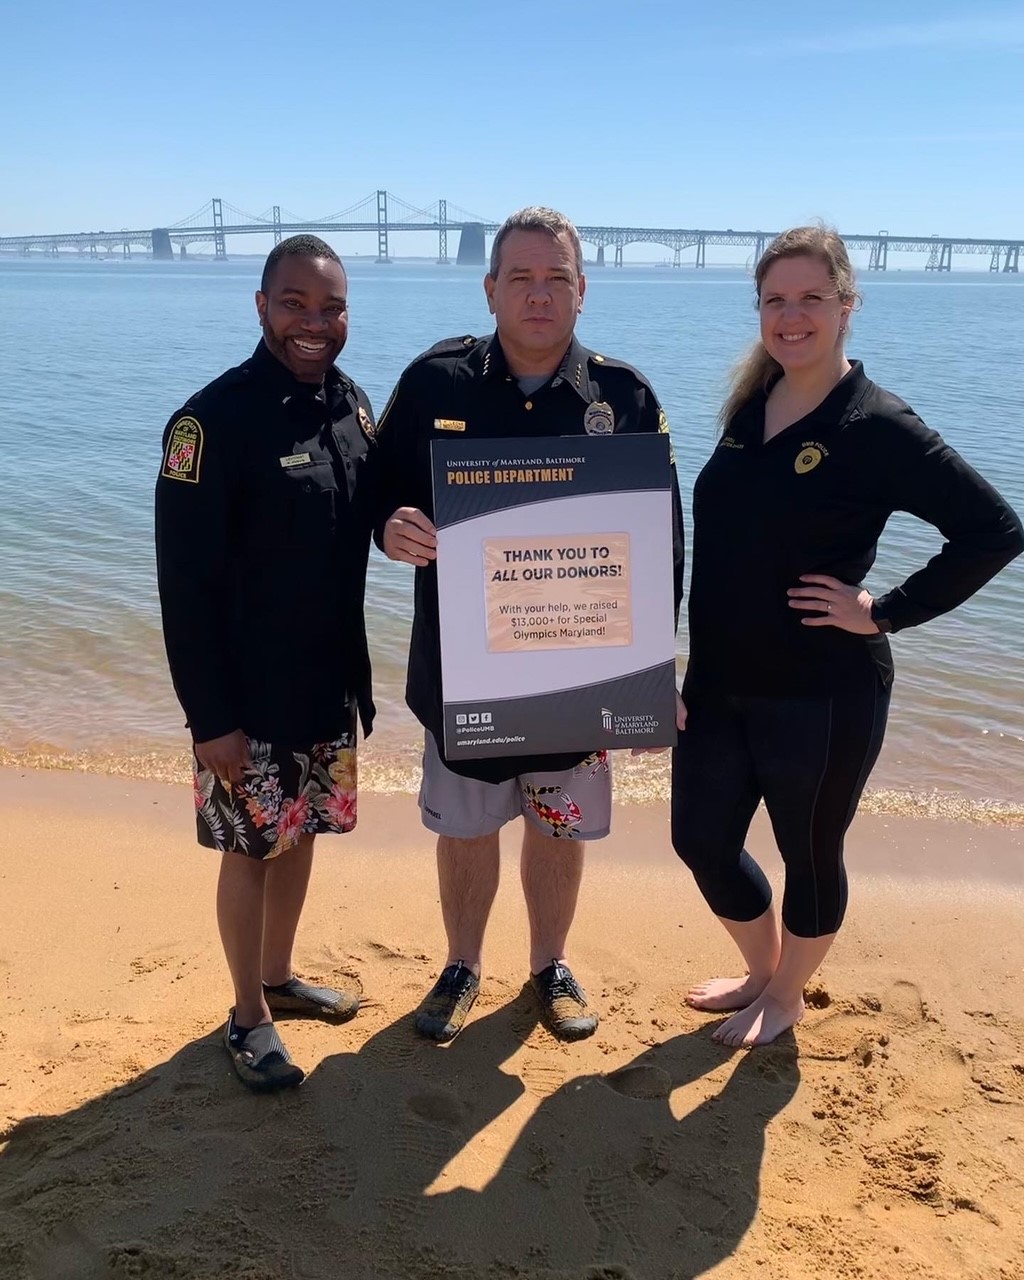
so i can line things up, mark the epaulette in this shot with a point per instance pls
(446, 347)
(599, 362)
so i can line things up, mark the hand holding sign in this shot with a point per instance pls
(410, 537)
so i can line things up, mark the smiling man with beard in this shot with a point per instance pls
(262, 533)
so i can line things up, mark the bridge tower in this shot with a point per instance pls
(472, 245)
(220, 248)
(442, 233)
(600, 255)
(163, 250)
(759, 245)
(701, 259)
(1012, 262)
(277, 224)
(941, 257)
(618, 253)
(879, 259)
(382, 227)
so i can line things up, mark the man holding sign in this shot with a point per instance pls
(530, 379)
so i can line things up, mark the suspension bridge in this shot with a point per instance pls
(383, 214)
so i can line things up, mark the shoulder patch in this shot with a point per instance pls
(184, 454)
(369, 427)
(663, 429)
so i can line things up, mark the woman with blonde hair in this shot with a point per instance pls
(787, 687)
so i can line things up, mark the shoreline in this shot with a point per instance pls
(394, 770)
(949, 855)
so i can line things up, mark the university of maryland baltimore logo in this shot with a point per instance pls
(184, 451)
(810, 455)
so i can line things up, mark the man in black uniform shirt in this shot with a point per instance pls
(262, 530)
(531, 378)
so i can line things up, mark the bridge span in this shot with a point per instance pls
(383, 214)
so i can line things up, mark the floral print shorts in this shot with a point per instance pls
(286, 793)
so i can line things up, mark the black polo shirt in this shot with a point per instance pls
(466, 382)
(815, 499)
(263, 521)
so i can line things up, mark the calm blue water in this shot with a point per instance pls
(95, 356)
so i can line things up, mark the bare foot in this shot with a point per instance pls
(760, 1023)
(721, 994)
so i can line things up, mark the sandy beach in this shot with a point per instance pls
(885, 1138)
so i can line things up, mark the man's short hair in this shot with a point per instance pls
(536, 217)
(296, 247)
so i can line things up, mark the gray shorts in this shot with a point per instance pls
(574, 804)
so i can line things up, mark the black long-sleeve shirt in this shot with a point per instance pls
(464, 384)
(263, 522)
(815, 499)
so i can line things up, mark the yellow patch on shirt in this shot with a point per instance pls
(448, 424)
(184, 451)
(809, 456)
(367, 424)
(663, 430)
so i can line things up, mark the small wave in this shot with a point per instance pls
(396, 771)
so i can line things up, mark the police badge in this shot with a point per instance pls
(599, 419)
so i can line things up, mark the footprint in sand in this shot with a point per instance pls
(405, 1212)
(421, 1148)
(612, 1201)
(342, 1182)
(437, 1107)
(395, 955)
(852, 1031)
(778, 1064)
(940, 1078)
(644, 1082)
(939, 1075)
(524, 1016)
(840, 1036)
(904, 1002)
(542, 1078)
(395, 1049)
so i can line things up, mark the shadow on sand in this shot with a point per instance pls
(651, 1172)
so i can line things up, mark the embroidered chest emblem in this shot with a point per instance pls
(810, 455)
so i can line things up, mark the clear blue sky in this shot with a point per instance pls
(640, 112)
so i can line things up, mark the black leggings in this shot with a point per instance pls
(809, 759)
